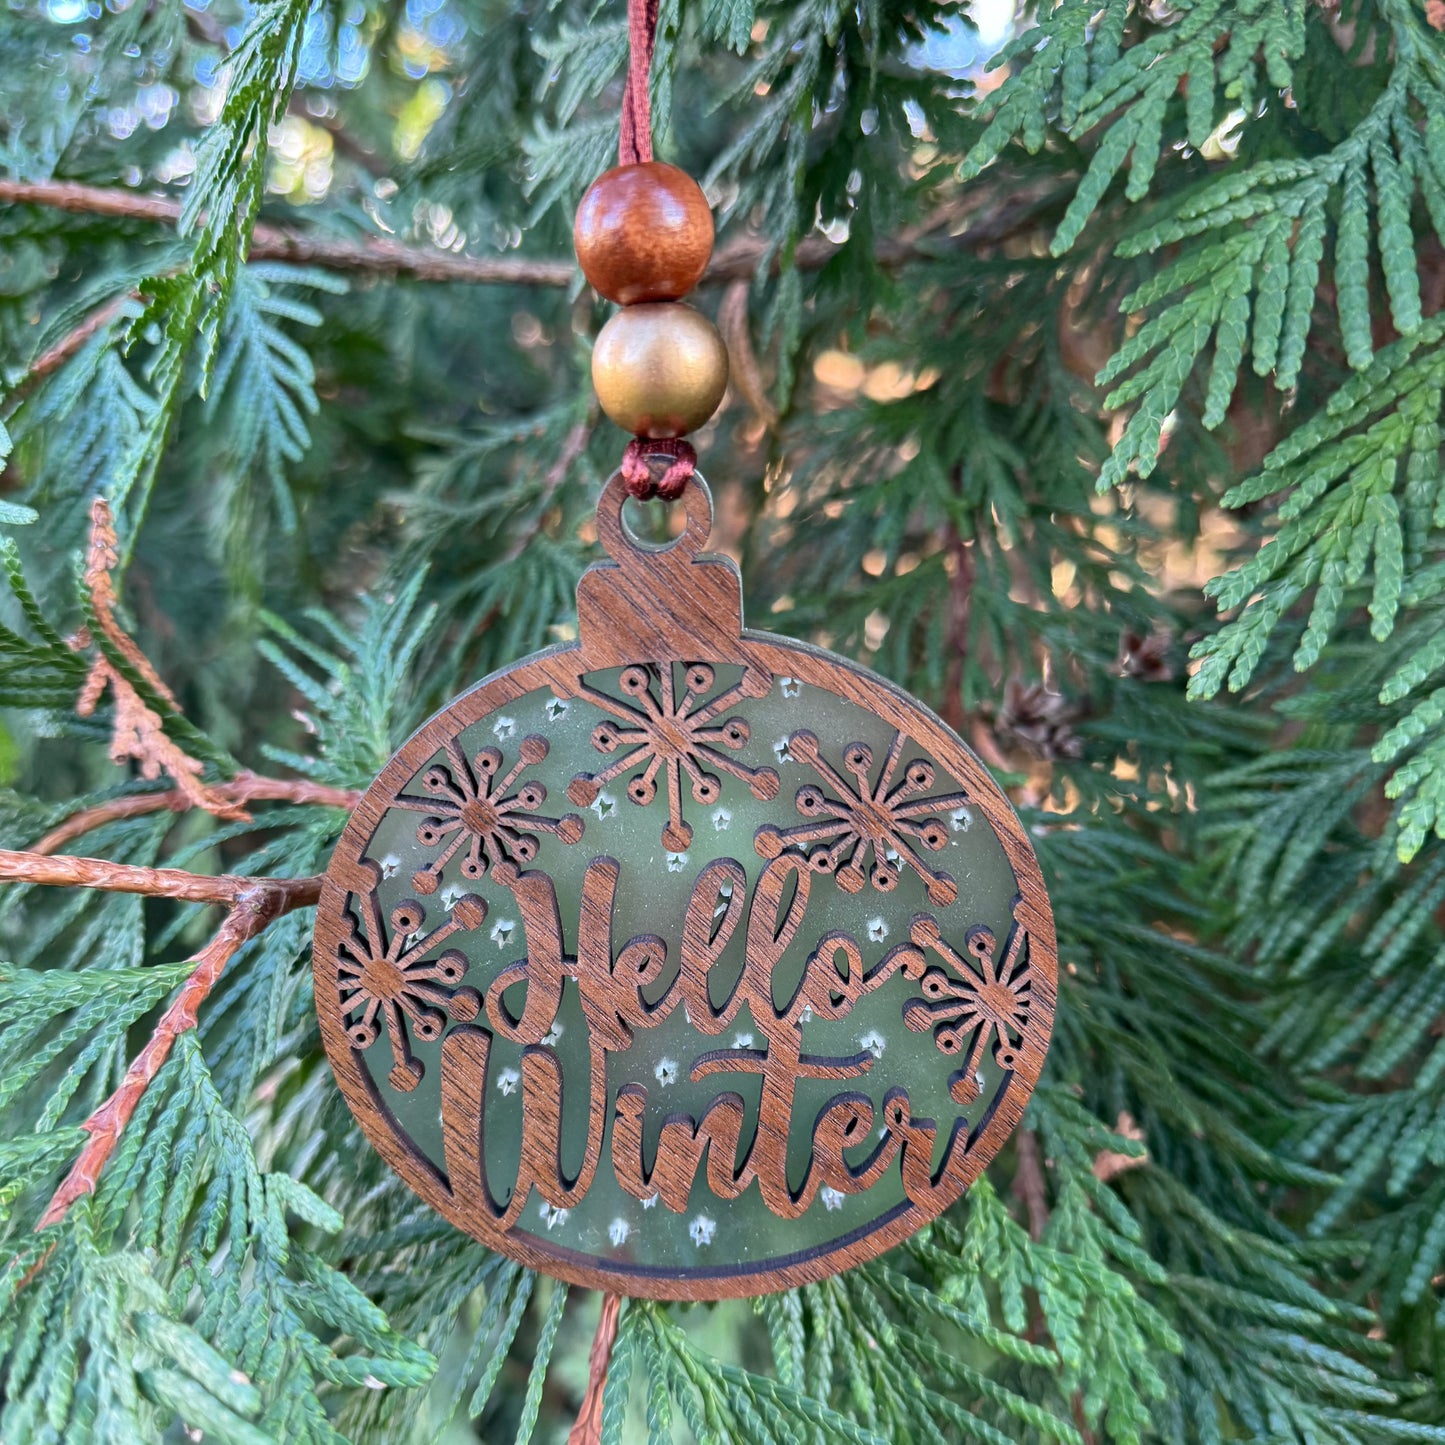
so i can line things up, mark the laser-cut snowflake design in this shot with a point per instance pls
(474, 803)
(989, 1000)
(393, 983)
(888, 819)
(662, 733)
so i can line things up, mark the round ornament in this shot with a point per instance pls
(684, 961)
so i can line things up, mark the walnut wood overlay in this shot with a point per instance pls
(665, 625)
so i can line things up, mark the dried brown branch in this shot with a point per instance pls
(588, 1429)
(376, 255)
(244, 788)
(254, 902)
(1109, 1163)
(139, 734)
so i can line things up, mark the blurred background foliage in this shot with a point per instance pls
(1087, 369)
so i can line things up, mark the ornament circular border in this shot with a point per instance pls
(780, 656)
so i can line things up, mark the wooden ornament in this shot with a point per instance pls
(659, 369)
(684, 961)
(643, 232)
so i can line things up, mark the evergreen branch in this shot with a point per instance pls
(588, 1429)
(246, 787)
(377, 256)
(254, 904)
(182, 313)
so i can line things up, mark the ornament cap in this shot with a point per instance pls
(649, 602)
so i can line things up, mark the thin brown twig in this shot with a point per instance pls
(573, 445)
(960, 611)
(378, 255)
(65, 871)
(588, 1429)
(244, 788)
(255, 902)
(56, 356)
(1030, 1185)
(251, 903)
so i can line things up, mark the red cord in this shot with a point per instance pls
(637, 474)
(635, 141)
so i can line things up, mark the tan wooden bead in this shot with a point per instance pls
(660, 369)
(643, 233)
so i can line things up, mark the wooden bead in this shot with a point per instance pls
(643, 233)
(660, 369)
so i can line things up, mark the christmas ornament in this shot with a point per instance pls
(682, 961)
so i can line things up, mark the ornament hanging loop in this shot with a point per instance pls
(628, 550)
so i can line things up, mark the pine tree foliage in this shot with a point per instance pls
(1095, 398)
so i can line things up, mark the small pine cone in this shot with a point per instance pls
(1042, 721)
(1146, 658)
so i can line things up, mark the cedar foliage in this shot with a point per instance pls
(1153, 317)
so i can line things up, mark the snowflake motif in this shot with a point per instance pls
(867, 816)
(990, 1000)
(664, 734)
(392, 982)
(475, 803)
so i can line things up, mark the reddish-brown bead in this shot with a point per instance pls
(643, 233)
